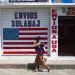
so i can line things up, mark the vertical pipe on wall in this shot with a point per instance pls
(0, 32)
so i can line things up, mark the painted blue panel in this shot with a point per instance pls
(64, 1)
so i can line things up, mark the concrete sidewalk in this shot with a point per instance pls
(58, 64)
(29, 72)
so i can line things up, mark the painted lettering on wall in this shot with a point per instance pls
(70, 11)
(54, 30)
(25, 19)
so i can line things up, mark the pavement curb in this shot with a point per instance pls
(24, 66)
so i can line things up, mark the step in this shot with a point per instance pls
(22, 64)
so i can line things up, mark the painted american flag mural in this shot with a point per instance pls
(19, 41)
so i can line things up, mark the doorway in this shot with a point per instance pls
(66, 35)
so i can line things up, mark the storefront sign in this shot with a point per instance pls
(27, 0)
(54, 30)
(70, 11)
(25, 19)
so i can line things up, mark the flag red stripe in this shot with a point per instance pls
(20, 43)
(18, 47)
(32, 38)
(33, 28)
(32, 33)
(7, 52)
(17, 43)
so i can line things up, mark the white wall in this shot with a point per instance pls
(7, 15)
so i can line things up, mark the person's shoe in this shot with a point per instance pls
(48, 69)
(40, 70)
(36, 70)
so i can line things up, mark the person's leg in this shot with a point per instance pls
(46, 66)
(37, 63)
(37, 67)
(44, 62)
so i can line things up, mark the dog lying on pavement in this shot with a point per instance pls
(31, 66)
